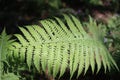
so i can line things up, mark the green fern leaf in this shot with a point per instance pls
(92, 58)
(43, 35)
(79, 26)
(98, 58)
(64, 61)
(48, 29)
(55, 47)
(64, 28)
(44, 56)
(36, 58)
(57, 61)
(27, 35)
(34, 33)
(72, 27)
(87, 59)
(76, 59)
(21, 39)
(5, 43)
(81, 61)
(29, 57)
(16, 53)
(72, 53)
(22, 54)
(51, 57)
(113, 63)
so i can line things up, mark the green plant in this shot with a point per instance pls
(111, 32)
(5, 43)
(113, 36)
(56, 47)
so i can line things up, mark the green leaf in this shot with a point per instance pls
(64, 61)
(29, 57)
(57, 60)
(56, 46)
(81, 61)
(36, 58)
(44, 57)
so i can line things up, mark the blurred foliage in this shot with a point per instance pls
(113, 41)
(112, 37)
(5, 42)
(113, 29)
(10, 76)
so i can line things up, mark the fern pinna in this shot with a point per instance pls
(56, 47)
(5, 43)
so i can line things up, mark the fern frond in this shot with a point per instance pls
(51, 57)
(92, 57)
(64, 61)
(76, 60)
(37, 57)
(56, 47)
(29, 56)
(87, 57)
(5, 43)
(81, 59)
(44, 57)
(57, 60)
